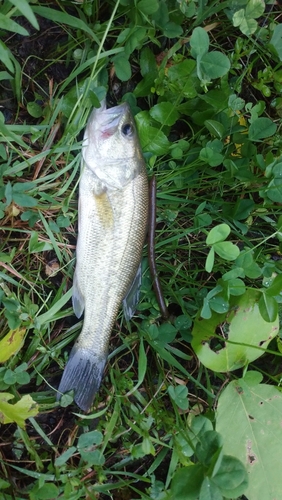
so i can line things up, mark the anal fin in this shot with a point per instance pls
(131, 299)
(77, 298)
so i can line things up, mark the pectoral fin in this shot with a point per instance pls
(77, 298)
(131, 299)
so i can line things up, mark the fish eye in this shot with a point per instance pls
(127, 129)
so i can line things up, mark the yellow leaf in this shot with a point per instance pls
(19, 412)
(11, 343)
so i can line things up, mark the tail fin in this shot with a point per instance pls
(83, 374)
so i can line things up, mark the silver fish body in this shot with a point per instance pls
(113, 212)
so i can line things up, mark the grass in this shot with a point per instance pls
(204, 82)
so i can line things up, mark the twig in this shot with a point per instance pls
(151, 248)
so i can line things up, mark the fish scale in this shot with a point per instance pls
(113, 212)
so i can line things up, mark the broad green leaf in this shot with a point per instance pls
(232, 477)
(124, 34)
(144, 87)
(63, 221)
(216, 128)
(234, 273)
(235, 103)
(179, 395)
(94, 457)
(199, 42)
(25, 9)
(253, 378)
(213, 65)
(202, 207)
(276, 286)
(183, 445)
(261, 128)
(13, 319)
(181, 71)
(209, 261)
(10, 377)
(226, 250)
(268, 307)
(152, 139)
(19, 412)
(206, 312)
(245, 334)
(209, 444)
(199, 426)
(183, 323)
(246, 21)
(148, 447)
(218, 233)
(21, 187)
(34, 109)
(255, 8)
(276, 40)
(243, 209)
(236, 286)
(66, 400)
(4, 484)
(214, 292)
(186, 482)
(11, 344)
(147, 62)
(274, 189)
(248, 26)
(134, 40)
(122, 67)
(209, 490)
(24, 200)
(277, 170)
(172, 30)
(245, 261)
(48, 491)
(202, 220)
(238, 17)
(35, 246)
(249, 419)
(219, 304)
(166, 333)
(148, 6)
(85, 446)
(182, 78)
(216, 145)
(165, 113)
(9, 193)
(211, 157)
(89, 439)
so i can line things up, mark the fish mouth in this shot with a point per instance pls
(108, 119)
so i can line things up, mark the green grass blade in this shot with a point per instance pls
(25, 9)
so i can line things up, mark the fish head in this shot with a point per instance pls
(111, 148)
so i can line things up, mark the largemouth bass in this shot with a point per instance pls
(112, 224)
